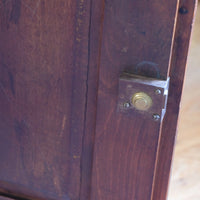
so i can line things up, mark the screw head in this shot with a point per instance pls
(158, 91)
(183, 10)
(156, 117)
(127, 105)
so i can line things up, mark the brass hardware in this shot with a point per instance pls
(143, 97)
(141, 101)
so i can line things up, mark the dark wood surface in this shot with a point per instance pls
(97, 10)
(61, 136)
(5, 198)
(136, 38)
(185, 22)
(43, 75)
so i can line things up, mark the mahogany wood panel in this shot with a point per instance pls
(54, 57)
(97, 9)
(5, 198)
(43, 84)
(185, 21)
(137, 38)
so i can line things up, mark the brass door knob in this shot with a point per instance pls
(141, 101)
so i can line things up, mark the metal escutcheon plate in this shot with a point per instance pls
(142, 96)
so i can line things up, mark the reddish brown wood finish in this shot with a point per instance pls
(43, 75)
(185, 22)
(5, 198)
(97, 10)
(55, 58)
(126, 146)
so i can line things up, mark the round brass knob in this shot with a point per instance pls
(141, 101)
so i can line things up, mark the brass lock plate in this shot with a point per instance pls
(142, 96)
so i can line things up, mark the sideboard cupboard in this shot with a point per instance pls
(89, 97)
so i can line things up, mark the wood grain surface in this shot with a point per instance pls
(126, 146)
(43, 83)
(185, 176)
(179, 58)
(97, 10)
(61, 136)
(5, 198)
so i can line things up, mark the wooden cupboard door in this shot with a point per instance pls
(138, 38)
(61, 135)
(43, 73)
